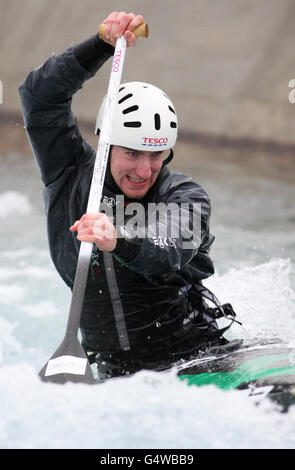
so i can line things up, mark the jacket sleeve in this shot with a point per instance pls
(175, 236)
(46, 97)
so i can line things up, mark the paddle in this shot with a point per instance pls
(69, 363)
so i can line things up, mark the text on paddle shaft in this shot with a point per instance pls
(148, 459)
(117, 60)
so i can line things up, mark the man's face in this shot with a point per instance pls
(135, 171)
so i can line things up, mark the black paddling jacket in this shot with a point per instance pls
(153, 274)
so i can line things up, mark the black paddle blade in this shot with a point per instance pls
(69, 363)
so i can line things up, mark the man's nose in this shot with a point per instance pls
(143, 169)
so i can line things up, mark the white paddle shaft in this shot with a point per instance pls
(97, 183)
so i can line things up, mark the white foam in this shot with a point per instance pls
(7, 339)
(147, 410)
(44, 308)
(14, 203)
(262, 297)
(11, 293)
(23, 270)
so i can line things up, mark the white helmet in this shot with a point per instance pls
(144, 119)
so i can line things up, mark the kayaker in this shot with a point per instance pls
(143, 305)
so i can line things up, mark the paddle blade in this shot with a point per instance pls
(69, 363)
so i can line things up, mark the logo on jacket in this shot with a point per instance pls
(164, 241)
(109, 201)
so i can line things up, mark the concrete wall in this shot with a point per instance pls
(226, 64)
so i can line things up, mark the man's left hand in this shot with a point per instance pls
(121, 23)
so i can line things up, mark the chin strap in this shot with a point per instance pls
(169, 158)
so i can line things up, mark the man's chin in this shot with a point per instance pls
(135, 194)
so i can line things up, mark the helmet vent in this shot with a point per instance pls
(132, 124)
(173, 124)
(171, 109)
(130, 110)
(122, 88)
(125, 98)
(157, 122)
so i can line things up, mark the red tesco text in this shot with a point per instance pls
(149, 140)
(117, 60)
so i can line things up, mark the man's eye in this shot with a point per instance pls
(132, 154)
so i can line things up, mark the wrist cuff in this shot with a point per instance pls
(91, 52)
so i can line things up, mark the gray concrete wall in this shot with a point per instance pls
(226, 64)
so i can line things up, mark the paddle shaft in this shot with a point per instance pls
(96, 187)
(69, 363)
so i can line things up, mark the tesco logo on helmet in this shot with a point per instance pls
(155, 141)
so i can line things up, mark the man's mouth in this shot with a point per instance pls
(136, 180)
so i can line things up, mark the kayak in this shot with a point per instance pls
(257, 369)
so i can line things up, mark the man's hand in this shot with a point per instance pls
(98, 229)
(122, 24)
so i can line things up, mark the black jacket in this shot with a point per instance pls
(153, 274)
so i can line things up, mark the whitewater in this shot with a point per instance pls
(254, 251)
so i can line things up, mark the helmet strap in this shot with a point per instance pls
(169, 158)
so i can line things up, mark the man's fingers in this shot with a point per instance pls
(92, 216)
(103, 229)
(135, 22)
(93, 226)
(124, 21)
(84, 218)
(130, 38)
(121, 23)
(109, 23)
(75, 226)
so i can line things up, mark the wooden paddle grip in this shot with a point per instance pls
(142, 31)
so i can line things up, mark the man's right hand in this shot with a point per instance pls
(122, 24)
(98, 229)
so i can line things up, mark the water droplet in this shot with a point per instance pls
(100, 291)
(158, 324)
